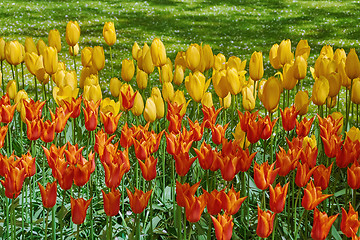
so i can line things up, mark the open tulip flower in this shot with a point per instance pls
(91, 114)
(322, 176)
(48, 194)
(111, 202)
(349, 221)
(223, 225)
(288, 116)
(138, 200)
(3, 131)
(231, 201)
(313, 196)
(194, 207)
(264, 175)
(277, 197)
(303, 127)
(322, 224)
(210, 115)
(265, 223)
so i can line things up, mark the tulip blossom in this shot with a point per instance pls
(3, 132)
(48, 195)
(47, 131)
(183, 163)
(78, 209)
(246, 118)
(109, 33)
(194, 206)
(303, 174)
(322, 176)
(303, 128)
(33, 109)
(223, 226)
(91, 114)
(264, 175)
(349, 153)
(138, 200)
(286, 161)
(349, 221)
(214, 202)
(231, 201)
(83, 170)
(332, 145)
(255, 130)
(322, 224)
(309, 155)
(288, 116)
(33, 130)
(73, 106)
(278, 197)
(265, 223)
(268, 128)
(245, 160)
(13, 182)
(313, 196)
(353, 175)
(7, 113)
(183, 190)
(72, 33)
(111, 202)
(148, 168)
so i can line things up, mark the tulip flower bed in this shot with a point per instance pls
(196, 147)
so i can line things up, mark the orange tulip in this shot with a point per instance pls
(48, 195)
(349, 221)
(33, 109)
(13, 182)
(332, 145)
(47, 131)
(83, 170)
(268, 128)
(194, 207)
(91, 114)
(65, 175)
(322, 176)
(349, 153)
(111, 202)
(196, 130)
(110, 122)
(101, 140)
(322, 224)
(3, 131)
(286, 161)
(210, 116)
(128, 99)
(264, 175)
(183, 163)
(353, 175)
(218, 133)
(206, 156)
(214, 202)
(231, 201)
(277, 197)
(113, 174)
(303, 174)
(78, 209)
(138, 200)
(33, 131)
(255, 130)
(148, 168)
(28, 162)
(7, 113)
(309, 155)
(246, 118)
(184, 190)
(312, 196)
(265, 223)
(288, 116)
(73, 153)
(245, 160)
(303, 128)
(223, 226)
(74, 107)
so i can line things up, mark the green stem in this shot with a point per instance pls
(31, 210)
(354, 198)
(22, 75)
(53, 225)
(190, 232)
(22, 211)
(263, 200)
(36, 88)
(274, 229)
(2, 79)
(137, 221)
(74, 129)
(62, 219)
(299, 223)
(74, 58)
(112, 68)
(17, 78)
(7, 217)
(184, 222)
(77, 231)
(110, 228)
(46, 222)
(296, 202)
(13, 227)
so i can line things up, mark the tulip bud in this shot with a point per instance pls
(221, 85)
(127, 70)
(225, 102)
(71, 79)
(235, 62)
(92, 92)
(320, 91)
(41, 45)
(13, 52)
(233, 81)
(178, 75)
(339, 56)
(180, 60)
(193, 56)
(207, 100)
(256, 68)
(150, 110)
(158, 52)
(300, 68)
(30, 61)
(141, 79)
(271, 94)
(74, 49)
(179, 98)
(166, 73)
(274, 57)
(22, 94)
(355, 91)
(248, 98)
(327, 51)
(146, 63)
(138, 107)
(334, 84)
(86, 56)
(72, 33)
(40, 72)
(168, 91)
(289, 81)
(50, 60)
(302, 102)
(109, 33)
(98, 58)
(302, 49)
(196, 86)
(352, 65)
(284, 52)
(11, 89)
(115, 85)
(54, 40)
(30, 45)
(208, 56)
(135, 51)
(2, 49)
(160, 108)
(219, 62)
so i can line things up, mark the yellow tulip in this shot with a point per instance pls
(72, 33)
(260, 88)
(208, 56)
(150, 110)
(109, 33)
(193, 56)
(135, 51)
(220, 83)
(324, 66)
(300, 68)
(179, 98)
(86, 56)
(339, 56)
(180, 60)
(311, 141)
(256, 68)
(22, 94)
(115, 85)
(225, 102)
(178, 75)
(271, 94)
(240, 136)
(345, 80)
(74, 50)
(127, 69)
(235, 62)
(166, 73)
(302, 102)
(40, 72)
(159, 102)
(248, 99)
(41, 45)
(168, 91)
(158, 52)
(50, 60)
(330, 102)
(141, 79)
(303, 49)
(320, 91)
(274, 57)
(207, 100)
(30, 45)
(91, 80)
(353, 134)
(355, 91)
(327, 51)
(98, 58)
(54, 39)
(64, 94)
(196, 86)
(92, 92)
(59, 78)
(233, 81)
(284, 52)
(219, 62)
(352, 65)
(13, 52)
(336, 116)
(11, 89)
(147, 63)
(334, 84)
(108, 105)
(138, 107)
(30, 61)
(71, 79)
(289, 81)
(2, 49)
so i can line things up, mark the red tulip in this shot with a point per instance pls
(214, 203)
(110, 122)
(3, 131)
(322, 225)
(91, 114)
(322, 176)
(223, 226)
(138, 200)
(353, 175)
(349, 221)
(73, 107)
(48, 195)
(183, 190)
(277, 197)
(303, 174)
(111, 202)
(303, 128)
(265, 223)
(286, 161)
(194, 207)
(78, 209)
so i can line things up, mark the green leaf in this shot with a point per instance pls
(335, 233)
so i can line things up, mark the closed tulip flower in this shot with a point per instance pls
(138, 107)
(352, 65)
(207, 100)
(277, 197)
(322, 224)
(225, 102)
(115, 85)
(271, 94)
(159, 102)
(208, 56)
(320, 91)
(30, 45)
(273, 57)
(147, 63)
(178, 75)
(150, 110)
(92, 92)
(180, 60)
(158, 52)
(223, 226)
(50, 60)
(54, 39)
(233, 80)
(193, 56)
(2, 49)
(168, 92)
(30, 61)
(303, 49)
(141, 79)
(41, 45)
(11, 89)
(72, 33)
(48, 195)
(256, 67)
(355, 91)
(265, 223)
(300, 68)
(86, 56)
(22, 94)
(127, 70)
(166, 73)
(196, 86)
(111, 202)
(264, 175)
(220, 83)
(248, 98)
(78, 209)
(74, 51)
(13, 52)
(289, 80)
(284, 52)
(302, 102)
(138, 200)
(109, 33)
(98, 58)
(135, 51)
(334, 84)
